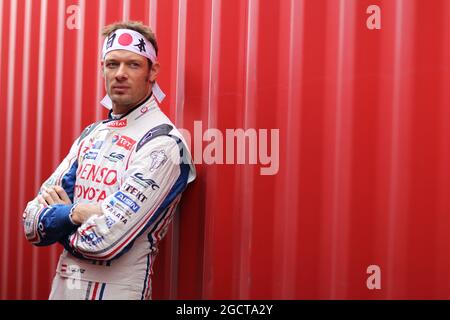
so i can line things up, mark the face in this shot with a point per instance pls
(128, 78)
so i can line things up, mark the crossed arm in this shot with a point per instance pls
(57, 195)
(102, 231)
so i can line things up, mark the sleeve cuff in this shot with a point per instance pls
(63, 221)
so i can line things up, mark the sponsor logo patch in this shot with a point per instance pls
(145, 182)
(71, 269)
(91, 238)
(114, 157)
(102, 175)
(118, 123)
(135, 192)
(110, 220)
(89, 193)
(127, 201)
(123, 141)
(92, 155)
(158, 159)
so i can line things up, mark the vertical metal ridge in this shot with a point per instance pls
(153, 14)
(58, 83)
(289, 202)
(443, 204)
(342, 160)
(174, 254)
(337, 128)
(179, 108)
(326, 226)
(57, 125)
(1, 40)
(78, 99)
(211, 116)
(401, 49)
(126, 10)
(39, 121)
(23, 142)
(9, 138)
(246, 230)
(180, 63)
(99, 72)
(214, 58)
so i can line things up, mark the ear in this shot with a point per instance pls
(154, 71)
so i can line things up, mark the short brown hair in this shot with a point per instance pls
(138, 26)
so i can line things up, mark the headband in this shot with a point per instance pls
(133, 41)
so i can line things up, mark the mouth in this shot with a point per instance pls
(120, 89)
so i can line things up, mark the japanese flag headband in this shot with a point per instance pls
(133, 41)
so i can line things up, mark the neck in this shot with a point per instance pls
(121, 109)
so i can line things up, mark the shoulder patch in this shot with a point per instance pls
(88, 130)
(161, 130)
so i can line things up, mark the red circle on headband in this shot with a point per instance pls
(125, 39)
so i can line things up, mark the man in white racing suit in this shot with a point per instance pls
(111, 200)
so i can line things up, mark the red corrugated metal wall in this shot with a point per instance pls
(364, 140)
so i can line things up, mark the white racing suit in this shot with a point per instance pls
(136, 167)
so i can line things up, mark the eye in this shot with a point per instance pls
(134, 65)
(111, 64)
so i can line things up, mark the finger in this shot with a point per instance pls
(62, 194)
(41, 200)
(51, 191)
(47, 198)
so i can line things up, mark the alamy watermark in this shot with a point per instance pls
(373, 21)
(374, 280)
(73, 19)
(235, 146)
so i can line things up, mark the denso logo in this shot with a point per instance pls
(123, 141)
(98, 174)
(118, 124)
(89, 193)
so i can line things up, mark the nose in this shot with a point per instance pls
(121, 73)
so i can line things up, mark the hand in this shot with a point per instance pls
(84, 211)
(53, 195)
